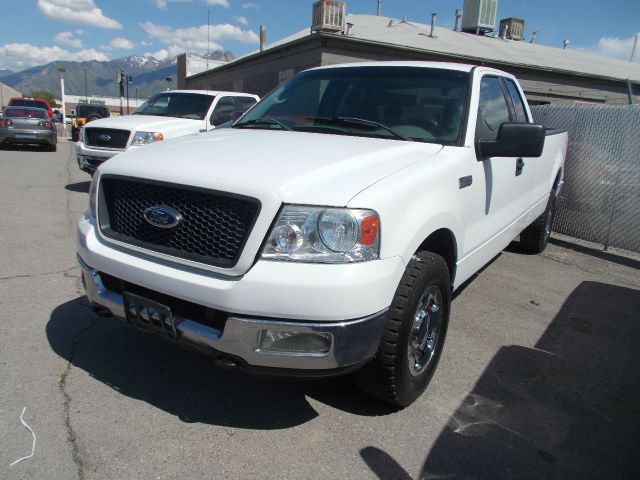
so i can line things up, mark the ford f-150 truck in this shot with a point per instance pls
(325, 232)
(169, 114)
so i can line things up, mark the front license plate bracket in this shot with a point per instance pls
(149, 315)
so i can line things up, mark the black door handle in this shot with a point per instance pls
(519, 166)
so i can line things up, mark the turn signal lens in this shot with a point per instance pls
(369, 230)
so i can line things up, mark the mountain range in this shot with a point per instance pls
(148, 76)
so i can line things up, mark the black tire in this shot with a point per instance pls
(535, 237)
(52, 148)
(394, 375)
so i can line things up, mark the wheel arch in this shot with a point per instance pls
(442, 242)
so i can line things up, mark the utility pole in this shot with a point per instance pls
(128, 80)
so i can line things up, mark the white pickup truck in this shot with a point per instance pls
(169, 114)
(325, 232)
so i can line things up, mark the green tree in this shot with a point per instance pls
(48, 96)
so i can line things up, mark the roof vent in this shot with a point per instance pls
(479, 16)
(514, 28)
(329, 16)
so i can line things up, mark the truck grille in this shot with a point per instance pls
(106, 137)
(214, 227)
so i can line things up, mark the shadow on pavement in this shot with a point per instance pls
(186, 384)
(567, 408)
(608, 256)
(80, 187)
(26, 147)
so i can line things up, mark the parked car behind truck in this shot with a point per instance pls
(169, 114)
(325, 232)
(28, 126)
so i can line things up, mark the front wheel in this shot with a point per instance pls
(414, 334)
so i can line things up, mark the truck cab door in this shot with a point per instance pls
(505, 181)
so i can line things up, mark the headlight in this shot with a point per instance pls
(142, 138)
(324, 235)
(93, 196)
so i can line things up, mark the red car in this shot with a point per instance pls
(31, 102)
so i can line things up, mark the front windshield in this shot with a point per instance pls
(193, 106)
(400, 103)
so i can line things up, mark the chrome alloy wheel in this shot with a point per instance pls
(425, 330)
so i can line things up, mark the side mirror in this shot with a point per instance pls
(514, 140)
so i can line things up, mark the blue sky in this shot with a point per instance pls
(36, 32)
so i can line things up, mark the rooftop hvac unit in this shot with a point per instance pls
(479, 16)
(328, 16)
(512, 28)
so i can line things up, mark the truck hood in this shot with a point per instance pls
(147, 123)
(298, 167)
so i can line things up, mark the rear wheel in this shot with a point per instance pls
(535, 237)
(414, 335)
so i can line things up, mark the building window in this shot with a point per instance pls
(284, 75)
(238, 84)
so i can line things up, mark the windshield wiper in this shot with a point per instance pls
(357, 122)
(263, 121)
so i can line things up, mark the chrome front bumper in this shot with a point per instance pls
(352, 342)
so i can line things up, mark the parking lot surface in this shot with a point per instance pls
(540, 375)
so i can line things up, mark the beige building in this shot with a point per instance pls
(7, 93)
(547, 74)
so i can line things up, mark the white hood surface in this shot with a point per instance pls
(297, 167)
(147, 123)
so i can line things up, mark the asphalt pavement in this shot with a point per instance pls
(539, 377)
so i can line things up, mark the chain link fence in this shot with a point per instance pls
(600, 200)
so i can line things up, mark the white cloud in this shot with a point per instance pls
(195, 38)
(248, 5)
(617, 47)
(162, 4)
(66, 38)
(221, 3)
(145, 44)
(18, 56)
(77, 11)
(241, 20)
(164, 53)
(120, 43)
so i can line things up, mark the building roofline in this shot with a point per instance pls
(407, 48)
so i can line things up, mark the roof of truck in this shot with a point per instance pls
(211, 92)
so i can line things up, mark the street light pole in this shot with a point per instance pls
(86, 95)
(64, 107)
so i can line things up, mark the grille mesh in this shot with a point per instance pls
(116, 138)
(214, 228)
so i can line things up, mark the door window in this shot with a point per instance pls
(223, 112)
(492, 111)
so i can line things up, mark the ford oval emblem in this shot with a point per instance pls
(162, 216)
(104, 137)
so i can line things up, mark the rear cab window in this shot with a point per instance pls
(516, 101)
